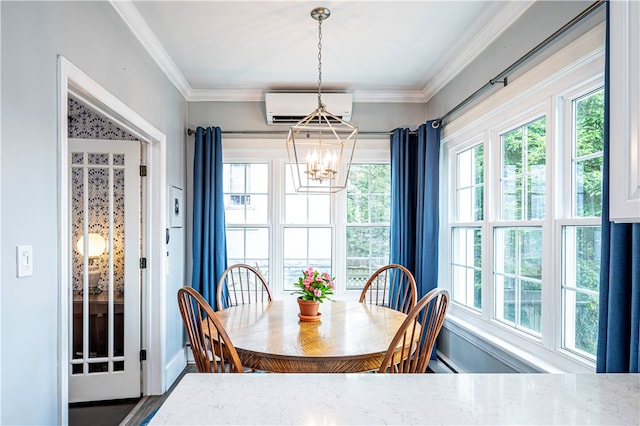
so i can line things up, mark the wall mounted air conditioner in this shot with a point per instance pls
(289, 108)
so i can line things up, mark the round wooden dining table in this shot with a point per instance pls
(349, 337)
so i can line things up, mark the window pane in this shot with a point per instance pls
(368, 206)
(466, 266)
(581, 323)
(589, 118)
(303, 208)
(249, 245)
(512, 198)
(295, 243)
(517, 277)
(536, 194)
(588, 190)
(465, 205)
(581, 281)
(536, 145)
(524, 188)
(257, 243)
(319, 209)
(246, 202)
(235, 244)
(305, 247)
(257, 178)
(257, 209)
(530, 252)
(320, 245)
(512, 153)
(581, 249)
(465, 169)
(367, 250)
(479, 163)
(470, 185)
(233, 178)
(295, 209)
(531, 305)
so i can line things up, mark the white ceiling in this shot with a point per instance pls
(381, 51)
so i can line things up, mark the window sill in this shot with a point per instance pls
(518, 353)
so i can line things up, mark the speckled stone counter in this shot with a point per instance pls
(371, 399)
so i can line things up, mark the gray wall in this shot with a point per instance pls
(540, 21)
(93, 37)
(234, 116)
(251, 116)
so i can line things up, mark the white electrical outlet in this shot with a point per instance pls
(24, 261)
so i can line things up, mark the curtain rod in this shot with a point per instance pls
(191, 132)
(502, 76)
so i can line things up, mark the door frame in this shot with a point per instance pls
(71, 80)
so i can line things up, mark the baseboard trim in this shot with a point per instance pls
(175, 367)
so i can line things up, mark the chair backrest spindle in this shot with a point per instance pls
(411, 347)
(212, 349)
(241, 284)
(392, 286)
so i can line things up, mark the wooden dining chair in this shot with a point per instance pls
(212, 349)
(392, 286)
(241, 284)
(411, 347)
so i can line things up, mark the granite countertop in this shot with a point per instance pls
(550, 399)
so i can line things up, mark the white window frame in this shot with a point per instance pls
(537, 92)
(273, 151)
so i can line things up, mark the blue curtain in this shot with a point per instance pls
(619, 317)
(209, 234)
(415, 160)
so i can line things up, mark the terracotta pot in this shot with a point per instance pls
(308, 308)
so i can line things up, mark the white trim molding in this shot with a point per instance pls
(624, 111)
(72, 80)
(506, 15)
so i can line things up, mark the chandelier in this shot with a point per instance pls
(321, 145)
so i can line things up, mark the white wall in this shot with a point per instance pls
(93, 38)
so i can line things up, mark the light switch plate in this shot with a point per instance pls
(24, 261)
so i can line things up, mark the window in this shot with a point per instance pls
(280, 231)
(523, 172)
(368, 217)
(307, 234)
(466, 265)
(246, 199)
(581, 233)
(524, 179)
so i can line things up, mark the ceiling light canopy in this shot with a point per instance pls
(321, 145)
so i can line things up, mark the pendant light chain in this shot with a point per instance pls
(320, 146)
(319, 61)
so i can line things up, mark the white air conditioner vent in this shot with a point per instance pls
(288, 108)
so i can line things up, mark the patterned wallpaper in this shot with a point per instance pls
(84, 123)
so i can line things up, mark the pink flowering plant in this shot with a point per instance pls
(314, 285)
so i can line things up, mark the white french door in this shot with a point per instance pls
(105, 270)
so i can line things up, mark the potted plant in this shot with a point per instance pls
(313, 287)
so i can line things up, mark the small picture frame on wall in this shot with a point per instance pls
(175, 207)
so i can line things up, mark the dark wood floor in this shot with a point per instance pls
(131, 412)
(150, 404)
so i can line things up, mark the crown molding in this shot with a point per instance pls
(503, 19)
(507, 14)
(361, 96)
(389, 96)
(138, 26)
(206, 95)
